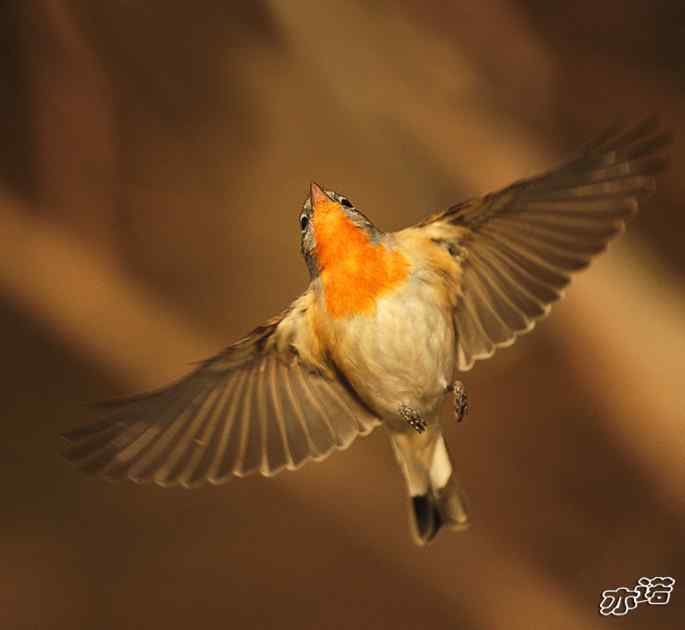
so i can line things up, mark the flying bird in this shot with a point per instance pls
(378, 336)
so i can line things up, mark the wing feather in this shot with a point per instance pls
(200, 452)
(256, 407)
(518, 247)
(277, 444)
(227, 451)
(315, 427)
(250, 430)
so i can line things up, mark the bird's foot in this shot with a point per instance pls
(461, 400)
(413, 418)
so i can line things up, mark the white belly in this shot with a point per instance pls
(403, 354)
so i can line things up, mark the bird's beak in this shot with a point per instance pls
(317, 195)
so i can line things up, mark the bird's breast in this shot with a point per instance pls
(362, 273)
(400, 353)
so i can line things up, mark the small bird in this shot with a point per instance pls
(387, 321)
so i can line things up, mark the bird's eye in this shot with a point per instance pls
(304, 221)
(346, 202)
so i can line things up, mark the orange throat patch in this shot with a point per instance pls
(354, 271)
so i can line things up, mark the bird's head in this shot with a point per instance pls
(331, 229)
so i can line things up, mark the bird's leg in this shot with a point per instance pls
(413, 418)
(461, 400)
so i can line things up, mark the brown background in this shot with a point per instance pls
(155, 155)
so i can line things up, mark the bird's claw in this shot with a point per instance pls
(461, 401)
(413, 418)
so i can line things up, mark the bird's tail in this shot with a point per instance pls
(436, 498)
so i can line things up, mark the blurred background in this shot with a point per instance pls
(155, 157)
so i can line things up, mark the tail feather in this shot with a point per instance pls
(436, 498)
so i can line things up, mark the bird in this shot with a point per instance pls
(387, 322)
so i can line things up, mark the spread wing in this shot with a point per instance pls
(264, 404)
(517, 247)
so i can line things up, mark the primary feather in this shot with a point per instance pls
(517, 247)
